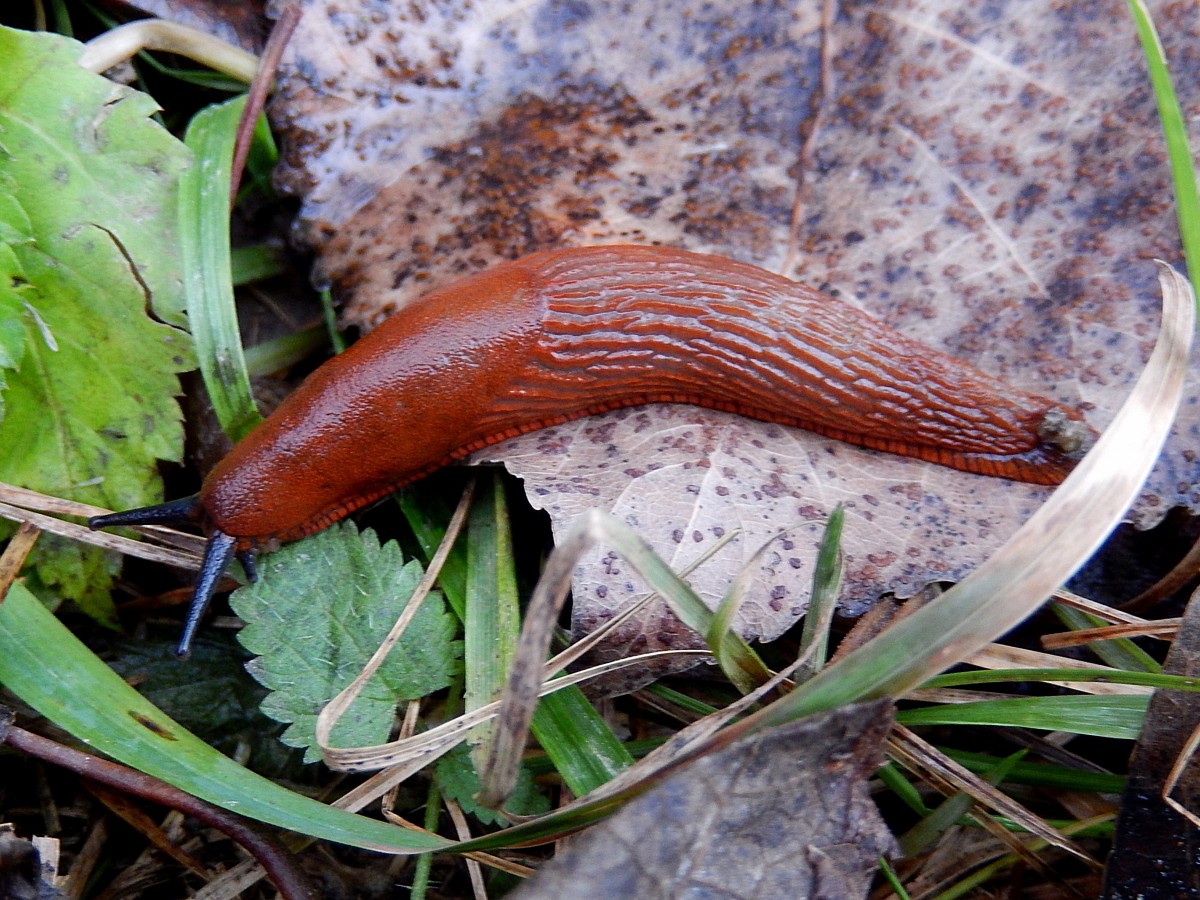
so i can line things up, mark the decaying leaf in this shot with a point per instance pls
(781, 814)
(990, 181)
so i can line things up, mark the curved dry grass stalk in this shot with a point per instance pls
(118, 44)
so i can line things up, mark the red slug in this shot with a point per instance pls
(569, 333)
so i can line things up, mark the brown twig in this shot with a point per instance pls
(15, 554)
(256, 97)
(1165, 629)
(280, 867)
(808, 133)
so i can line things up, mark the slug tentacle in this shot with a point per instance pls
(249, 561)
(218, 554)
(174, 512)
(219, 551)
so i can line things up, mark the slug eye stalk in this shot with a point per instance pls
(176, 512)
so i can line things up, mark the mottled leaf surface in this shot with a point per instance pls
(785, 813)
(988, 179)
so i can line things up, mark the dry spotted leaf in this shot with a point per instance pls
(784, 813)
(988, 179)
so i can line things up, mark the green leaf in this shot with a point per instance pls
(459, 781)
(1183, 170)
(319, 610)
(14, 286)
(81, 150)
(1103, 716)
(1121, 653)
(1043, 774)
(575, 737)
(47, 667)
(827, 584)
(87, 247)
(207, 268)
(254, 263)
(209, 697)
(493, 619)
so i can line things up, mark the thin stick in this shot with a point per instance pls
(102, 53)
(256, 97)
(281, 868)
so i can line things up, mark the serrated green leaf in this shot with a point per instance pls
(75, 570)
(87, 221)
(83, 150)
(459, 781)
(319, 610)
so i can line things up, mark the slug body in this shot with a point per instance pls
(569, 333)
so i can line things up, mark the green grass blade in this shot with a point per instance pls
(683, 701)
(493, 619)
(576, 739)
(927, 831)
(741, 665)
(207, 267)
(1183, 173)
(424, 865)
(1083, 676)
(48, 668)
(1042, 774)
(254, 263)
(827, 583)
(329, 315)
(284, 351)
(427, 514)
(1103, 716)
(898, 784)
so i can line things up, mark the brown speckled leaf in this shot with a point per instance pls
(780, 814)
(987, 178)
